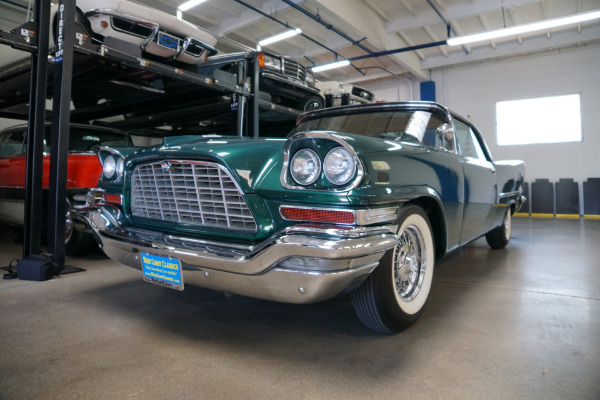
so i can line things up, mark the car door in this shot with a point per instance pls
(12, 175)
(479, 181)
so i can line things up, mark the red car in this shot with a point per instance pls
(82, 173)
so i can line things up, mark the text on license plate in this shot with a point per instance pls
(162, 271)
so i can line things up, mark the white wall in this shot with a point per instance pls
(394, 89)
(473, 90)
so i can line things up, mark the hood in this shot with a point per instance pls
(254, 163)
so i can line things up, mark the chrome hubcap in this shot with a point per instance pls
(68, 226)
(410, 262)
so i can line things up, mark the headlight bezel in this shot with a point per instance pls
(113, 164)
(321, 142)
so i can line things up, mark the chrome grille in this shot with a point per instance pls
(189, 192)
(294, 69)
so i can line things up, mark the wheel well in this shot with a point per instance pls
(436, 219)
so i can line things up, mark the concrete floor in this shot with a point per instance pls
(520, 323)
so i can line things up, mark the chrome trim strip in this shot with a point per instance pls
(340, 231)
(319, 135)
(509, 194)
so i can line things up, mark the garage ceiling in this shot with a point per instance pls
(374, 26)
(380, 25)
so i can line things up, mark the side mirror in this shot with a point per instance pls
(445, 137)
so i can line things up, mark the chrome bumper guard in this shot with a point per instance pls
(299, 265)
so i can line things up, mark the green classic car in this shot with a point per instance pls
(358, 199)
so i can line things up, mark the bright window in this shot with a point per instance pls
(554, 119)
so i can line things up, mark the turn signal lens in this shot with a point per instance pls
(261, 60)
(112, 198)
(104, 24)
(317, 215)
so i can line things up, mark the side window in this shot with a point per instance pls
(468, 145)
(12, 143)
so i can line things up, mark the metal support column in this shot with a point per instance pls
(57, 210)
(35, 131)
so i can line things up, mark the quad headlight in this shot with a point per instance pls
(120, 167)
(322, 161)
(109, 167)
(339, 166)
(112, 167)
(305, 167)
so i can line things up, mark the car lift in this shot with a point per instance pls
(71, 38)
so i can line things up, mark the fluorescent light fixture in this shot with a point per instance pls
(179, 14)
(325, 67)
(521, 29)
(281, 36)
(189, 4)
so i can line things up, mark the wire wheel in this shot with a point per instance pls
(395, 294)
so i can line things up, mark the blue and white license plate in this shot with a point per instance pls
(163, 271)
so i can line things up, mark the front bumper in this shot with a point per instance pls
(298, 265)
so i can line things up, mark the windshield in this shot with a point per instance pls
(88, 139)
(410, 126)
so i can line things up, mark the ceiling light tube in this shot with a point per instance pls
(281, 36)
(325, 67)
(527, 28)
(189, 4)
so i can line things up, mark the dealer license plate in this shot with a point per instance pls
(163, 271)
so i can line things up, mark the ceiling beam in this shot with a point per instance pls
(453, 12)
(250, 17)
(355, 16)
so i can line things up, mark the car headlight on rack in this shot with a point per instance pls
(271, 62)
(109, 167)
(310, 79)
(339, 166)
(305, 167)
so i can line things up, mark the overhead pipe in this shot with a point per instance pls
(394, 51)
(290, 27)
(449, 26)
(332, 28)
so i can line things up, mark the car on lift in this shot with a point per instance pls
(157, 33)
(358, 199)
(343, 94)
(282, 80)
(83, 171)
(149, 32)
